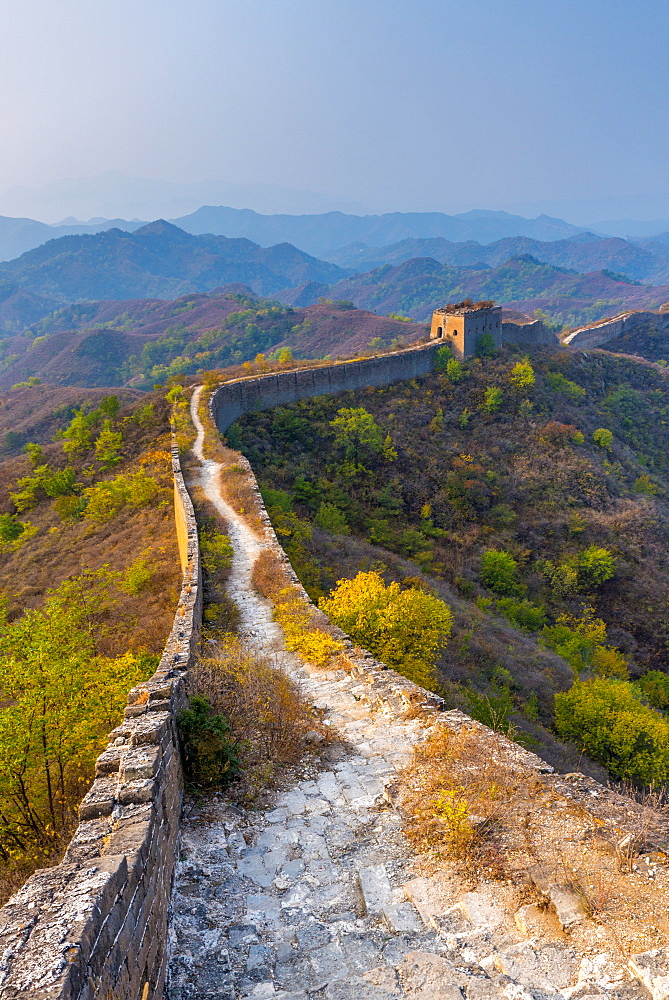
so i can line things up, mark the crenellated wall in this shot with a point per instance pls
(95, 925)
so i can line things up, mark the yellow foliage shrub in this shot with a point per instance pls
(295, 619)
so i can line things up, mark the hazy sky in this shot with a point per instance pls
(392, 104)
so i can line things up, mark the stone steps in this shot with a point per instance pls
(316, 898)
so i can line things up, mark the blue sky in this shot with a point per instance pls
(525, 105)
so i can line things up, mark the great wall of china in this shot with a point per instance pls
(320, 896)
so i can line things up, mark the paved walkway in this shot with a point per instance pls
(321, 896)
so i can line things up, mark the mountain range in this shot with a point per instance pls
(320, 235)
(161, 261)
(158, 261)
(642, 260)
(417, 286)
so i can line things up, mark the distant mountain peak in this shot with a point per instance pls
(159, 227)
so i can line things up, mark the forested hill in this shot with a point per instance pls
(415, 287)
(528, 491)
(646, 260)
(161, 261)
(141, 342)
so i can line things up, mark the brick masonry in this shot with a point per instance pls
(587, 337)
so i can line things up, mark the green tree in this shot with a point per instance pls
(493, 399)
(108, 445)
(35, 453)
(10, 528)
(558, 382)
(330, 518)
(499, 573)
(109, 406)
(582, 643)
(595, 565)
(441, 358)
(209, 749)
(522, 375)
(285, 356)
(654, 686)
(405, 628)
(78, 435)
(607, 718)
(603, 438)
(645, 485)
(454, 370)
(357, 434)
(60, 701)
(485, 345)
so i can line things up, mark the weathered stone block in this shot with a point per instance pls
(651, 968)
(375, 888)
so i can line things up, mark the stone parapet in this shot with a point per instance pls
(95, 926)
(596, 334)
(261, 392)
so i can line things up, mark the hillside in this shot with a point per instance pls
(158, 260)
(19, 235)
(37, 412)
(141, 342)
(417, 286)
(481, 463)
(584, 253)
(644, 341)
(89, 582)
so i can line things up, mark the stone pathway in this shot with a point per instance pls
(321, 897)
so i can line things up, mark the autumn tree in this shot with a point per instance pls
(608, 720)
(405, 628)
(60, 701)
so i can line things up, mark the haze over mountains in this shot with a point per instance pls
(330, 234)
(574, 280)
(159, 261)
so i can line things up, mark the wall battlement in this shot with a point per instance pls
(261, 392)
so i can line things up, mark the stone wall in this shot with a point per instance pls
(95, 926)
(596, 334)
(233, 399)
(529, 333)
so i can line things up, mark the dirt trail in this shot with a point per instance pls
(255, 611)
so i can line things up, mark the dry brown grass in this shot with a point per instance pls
(471, 801)
(269, 574)
(277, 727)
(213, 447)
(237, 489)
(457, 793)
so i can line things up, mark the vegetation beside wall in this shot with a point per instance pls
(89, 574)
(517, 507)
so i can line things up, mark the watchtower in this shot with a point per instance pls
(462, 324)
